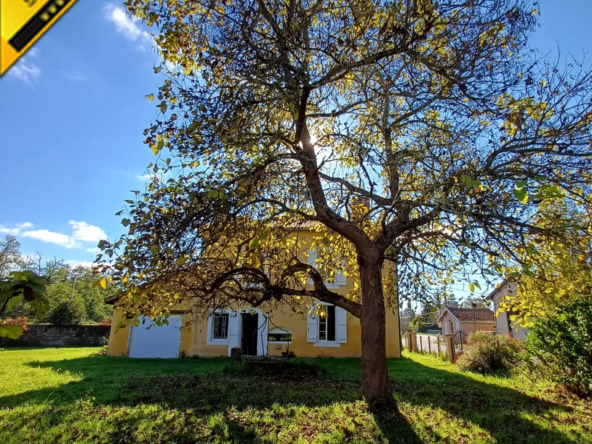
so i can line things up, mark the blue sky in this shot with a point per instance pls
(72, 115)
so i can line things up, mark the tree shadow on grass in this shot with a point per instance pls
(186, 386)
(234, 407)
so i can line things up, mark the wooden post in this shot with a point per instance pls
(438, 342)
(429, 345)
(421, 343)
(450, 349)
(413, 341)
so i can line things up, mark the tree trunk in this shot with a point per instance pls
(375, 382)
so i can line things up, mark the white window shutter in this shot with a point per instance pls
(262, 334)
(340, 325)
(340, 278)
(312, 328)
(233, 330)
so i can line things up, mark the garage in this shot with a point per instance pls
(157, 341)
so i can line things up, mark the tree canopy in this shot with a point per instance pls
(416, 132)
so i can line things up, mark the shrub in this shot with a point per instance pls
(282, 368)
(67, 313)
(562, 344)
(486, 353)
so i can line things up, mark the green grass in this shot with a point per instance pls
(71, 395)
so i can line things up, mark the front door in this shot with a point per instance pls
(249, 333)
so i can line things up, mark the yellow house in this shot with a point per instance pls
(256, 331)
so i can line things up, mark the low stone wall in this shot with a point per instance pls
(53, 336)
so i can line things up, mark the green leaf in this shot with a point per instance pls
(136, 322)
(125, 222)
(154, 249)
(522, 183)
(471, 287)
(163, 107)
(181, 261)
(521, 195)
(469, 182)
(150, 97)
(11, 331)
(476, 284)
(254, 244)
(213, 193)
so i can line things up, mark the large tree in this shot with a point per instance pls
(417, 132)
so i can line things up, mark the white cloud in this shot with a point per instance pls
(87, 232)
(75, 263)
(81, 232)
(25, 69)
(76, 75)
(14, 231)
(126, 25)
(96, 250)
(52, 238)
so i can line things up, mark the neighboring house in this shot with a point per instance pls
(257, 331)
(504, 325)
(467, 320)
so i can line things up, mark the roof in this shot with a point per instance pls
(499, 287)
(471, 314)
(496, 289)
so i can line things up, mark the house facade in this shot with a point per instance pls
(467, 320)
(256, 330)
(503, 323)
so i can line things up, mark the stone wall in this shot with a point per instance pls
(53, 336)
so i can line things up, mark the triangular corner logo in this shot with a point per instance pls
(22, 22)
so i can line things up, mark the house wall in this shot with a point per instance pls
(503, 323)
(471, 327)
(465, 326)
(194, 338)
(195, 333)
(117, 337)
(449, 324)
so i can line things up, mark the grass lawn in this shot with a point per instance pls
(70, 394)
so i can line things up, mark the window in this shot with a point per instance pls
(279, 334)
(327, 324)
(220, 326)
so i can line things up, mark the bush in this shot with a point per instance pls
(486, 353)
(562, 344)
(280, 368)
(67, 313)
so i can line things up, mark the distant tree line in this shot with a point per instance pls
(74, 297)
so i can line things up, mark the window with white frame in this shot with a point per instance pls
(279, 335)
(339, 278)
(220, 326)
(327, 323)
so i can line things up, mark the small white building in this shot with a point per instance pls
(503, 323)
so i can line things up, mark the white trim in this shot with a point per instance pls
(262, 329)
(327, 344)
(278, 342)
(444, 313)
(339, 279)
(210, 333)
(340, 325)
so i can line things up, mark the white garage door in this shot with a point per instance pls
(156, 342)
